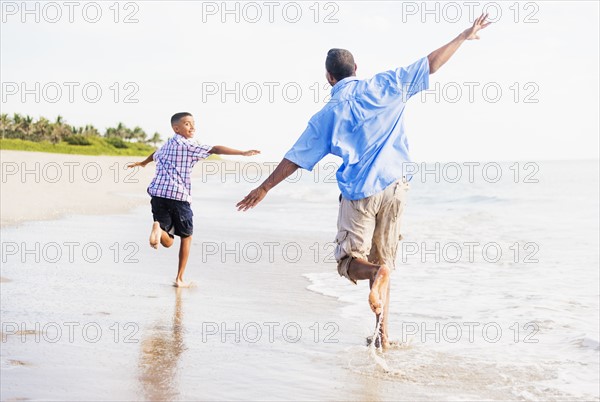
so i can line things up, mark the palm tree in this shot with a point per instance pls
(155, 139)
(60, 129)
(90, 130)
(4, 124)
(138, 134)
(41, 130)
(26, 124)
(17, 129)
(121, 131)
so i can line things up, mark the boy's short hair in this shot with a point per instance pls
(339, 63)
(178, 116)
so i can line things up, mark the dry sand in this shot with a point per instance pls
(42, 186)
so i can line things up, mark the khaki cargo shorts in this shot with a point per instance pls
(369, 228)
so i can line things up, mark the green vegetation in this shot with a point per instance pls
(98, 146)
(23, 133)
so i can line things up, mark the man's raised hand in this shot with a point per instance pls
(478, 25)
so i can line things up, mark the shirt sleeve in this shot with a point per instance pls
(410, 80)
(157, 153)
(199, 151)
(311, 147)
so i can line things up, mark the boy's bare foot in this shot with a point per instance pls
(155, 235)
(379, 289)
(181, 284)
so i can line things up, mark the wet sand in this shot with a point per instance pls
(88, 311)
(119, 331)
(78, 327)
(106, 330)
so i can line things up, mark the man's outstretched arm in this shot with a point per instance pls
(439, 57)
(281, 172)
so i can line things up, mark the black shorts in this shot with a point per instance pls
(175, 217)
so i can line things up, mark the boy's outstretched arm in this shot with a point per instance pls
(281, 172)
(223, 150)
(142, 163)
(439, 57)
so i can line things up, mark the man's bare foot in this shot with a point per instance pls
(385, 344)
(155, 235)
(379, 289)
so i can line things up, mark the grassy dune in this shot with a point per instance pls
(98, 146)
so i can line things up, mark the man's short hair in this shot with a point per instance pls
(178, 116)
(340, 63)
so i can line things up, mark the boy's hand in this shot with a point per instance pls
(252, 152)
(135, 164)
(254, 197)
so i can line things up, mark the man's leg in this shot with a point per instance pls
(378, 276)
(184, 252)
(384, 323)
(356, 224)
(385, 240)
(379, 283)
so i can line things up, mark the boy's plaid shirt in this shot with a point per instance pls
(174, 162)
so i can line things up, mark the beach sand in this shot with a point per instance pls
(77, 328)
(42, 186)
(88, 311)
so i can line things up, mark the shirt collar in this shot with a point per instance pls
(179, 138)
(338, 85)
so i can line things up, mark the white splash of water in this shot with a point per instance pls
(380, 361)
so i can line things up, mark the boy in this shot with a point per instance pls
(171, 188)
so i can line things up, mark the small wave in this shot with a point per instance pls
(459, 377)
(479, 199)
(586, 342)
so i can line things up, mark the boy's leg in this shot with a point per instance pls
(157, 235)
(184, 228)
(184, 252)
(161, 212)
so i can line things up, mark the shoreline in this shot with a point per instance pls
(39, 186)
(160, 327)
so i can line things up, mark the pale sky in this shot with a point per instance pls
(179, 55)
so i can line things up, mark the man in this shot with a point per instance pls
(363, 124)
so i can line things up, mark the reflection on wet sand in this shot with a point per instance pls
(159, 355)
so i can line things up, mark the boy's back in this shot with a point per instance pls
(174, 163)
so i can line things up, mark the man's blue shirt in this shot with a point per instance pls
(363, 124)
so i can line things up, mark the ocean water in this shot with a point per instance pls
(495, 296)
(497, 281)
(496, 288)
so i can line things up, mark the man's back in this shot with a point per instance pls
(363, 124)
